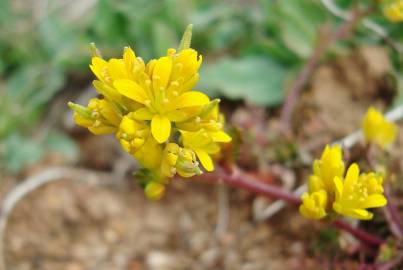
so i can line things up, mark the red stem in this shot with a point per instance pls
(241, 180)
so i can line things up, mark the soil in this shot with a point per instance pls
(78, 226)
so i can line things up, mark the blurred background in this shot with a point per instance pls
(252, 53)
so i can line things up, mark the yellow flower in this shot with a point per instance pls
(393, 11)
(148, 106)
(357, 193)
(324, 170)
(164, 91)
(204, 145)
(210, 120)
(314, 205)
(377, 129)
(128, 67)
(176, 159)
(107, 72)
(100, 117)
(135, 138)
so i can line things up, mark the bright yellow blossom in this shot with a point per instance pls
(314, 205)
(326, 168)
(393, 10)
(164, 90)
(377, 129)
(210, 120)
(155, 114)
(204, 145)
(100, 117)
(358, 192)
(107, 72)
(349, 196)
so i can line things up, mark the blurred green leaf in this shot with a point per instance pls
(256, 79)
(62, 144)
(20, 151)
(298, 23)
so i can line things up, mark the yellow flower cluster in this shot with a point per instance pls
(377, 129)
(393, 10)
(155, 114)
(330, 191)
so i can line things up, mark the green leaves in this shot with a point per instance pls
(297, 23)
(256, 79)
(17, 151)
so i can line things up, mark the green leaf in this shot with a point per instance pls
(62, 144)
(298, 23)
(20, 151)
(256, 79)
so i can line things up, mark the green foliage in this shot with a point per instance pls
(258, 80)
(249, 49)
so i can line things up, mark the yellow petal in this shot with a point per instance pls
(160, 128)
(338, 184)
(205, 160)
(189, 99)
(360, 214)
(116, 69)
(143, 114)
(221, 136)
(375, 200)
(351, 176)
(97, 64)
(162, 69)
(109, 113)
(101, 130)
(131, 90)
(129, 56)
(106, 90)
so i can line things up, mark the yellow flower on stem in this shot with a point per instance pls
(357, 193)
(107, 72)
(210, 120)
(377, 129)
(326, 168)
(314, 205)
(203, 145)
(100, 117)
(146, 105)
(393, 10)
(164, 91)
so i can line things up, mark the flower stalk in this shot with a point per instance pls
(238, 178)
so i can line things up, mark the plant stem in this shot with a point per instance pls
(241, 180)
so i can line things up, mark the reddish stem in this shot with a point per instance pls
(241, 180)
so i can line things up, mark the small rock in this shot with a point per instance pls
(158, 260)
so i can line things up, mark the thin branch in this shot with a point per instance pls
(240, 180)
(34, 182)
